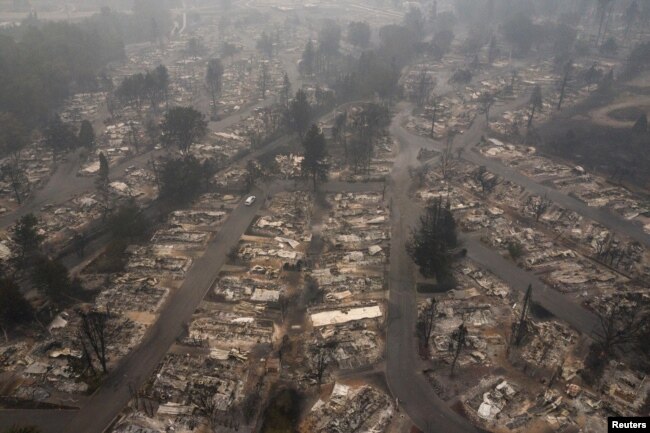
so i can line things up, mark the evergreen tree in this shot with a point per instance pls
(87, 135)
(102, 183)
(432, 241)
(27, 238)
(308, 60)
(214, 80)
(59, 136)
(52, 277)
(314, 164)
(536, 103)
(285, 92)
(14, 308)
(182, 127)
(300, 113)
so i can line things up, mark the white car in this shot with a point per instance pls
(250, 200)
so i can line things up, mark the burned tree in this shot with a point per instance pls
(621, 326)
(519, 328)
(493, 50)
(264, 79)
(13, 138)
(214, 81)
(86, 354)
(567, 71)
(447, 161)
(618, 325)
(426, 322)
(253, 173)
(536, 104)
(102, 183)
(94, 336)
(423, 88)
(434, 114)
(12, 171)
(27, 238)
(132, 135)
(458, 342)
(487, 180)
(322, 356)
(514, 74)
(285, 302)
(285, 92)
(487, 100)
(538, 205)
(604, 9)
(206, 405)
(339, 132)
(360, 151)
(419, 174)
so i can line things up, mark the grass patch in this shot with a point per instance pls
(626, 114)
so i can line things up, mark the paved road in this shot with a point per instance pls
(415, 394)
(558, 304)
(100, 409)
(64, 182)
(138, 366)
(472, 136)
(412, 389)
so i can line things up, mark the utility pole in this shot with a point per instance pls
(521, 326)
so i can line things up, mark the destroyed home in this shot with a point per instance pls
(272, 216)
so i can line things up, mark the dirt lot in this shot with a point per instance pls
(602, 139)
(622, 114)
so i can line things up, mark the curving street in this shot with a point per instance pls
(410, 388)
(408, 385)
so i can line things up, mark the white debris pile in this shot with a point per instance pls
(338, 317)
(348, 409)
(30, 170)
(288, 216)
(547, 344)
(220, 329)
